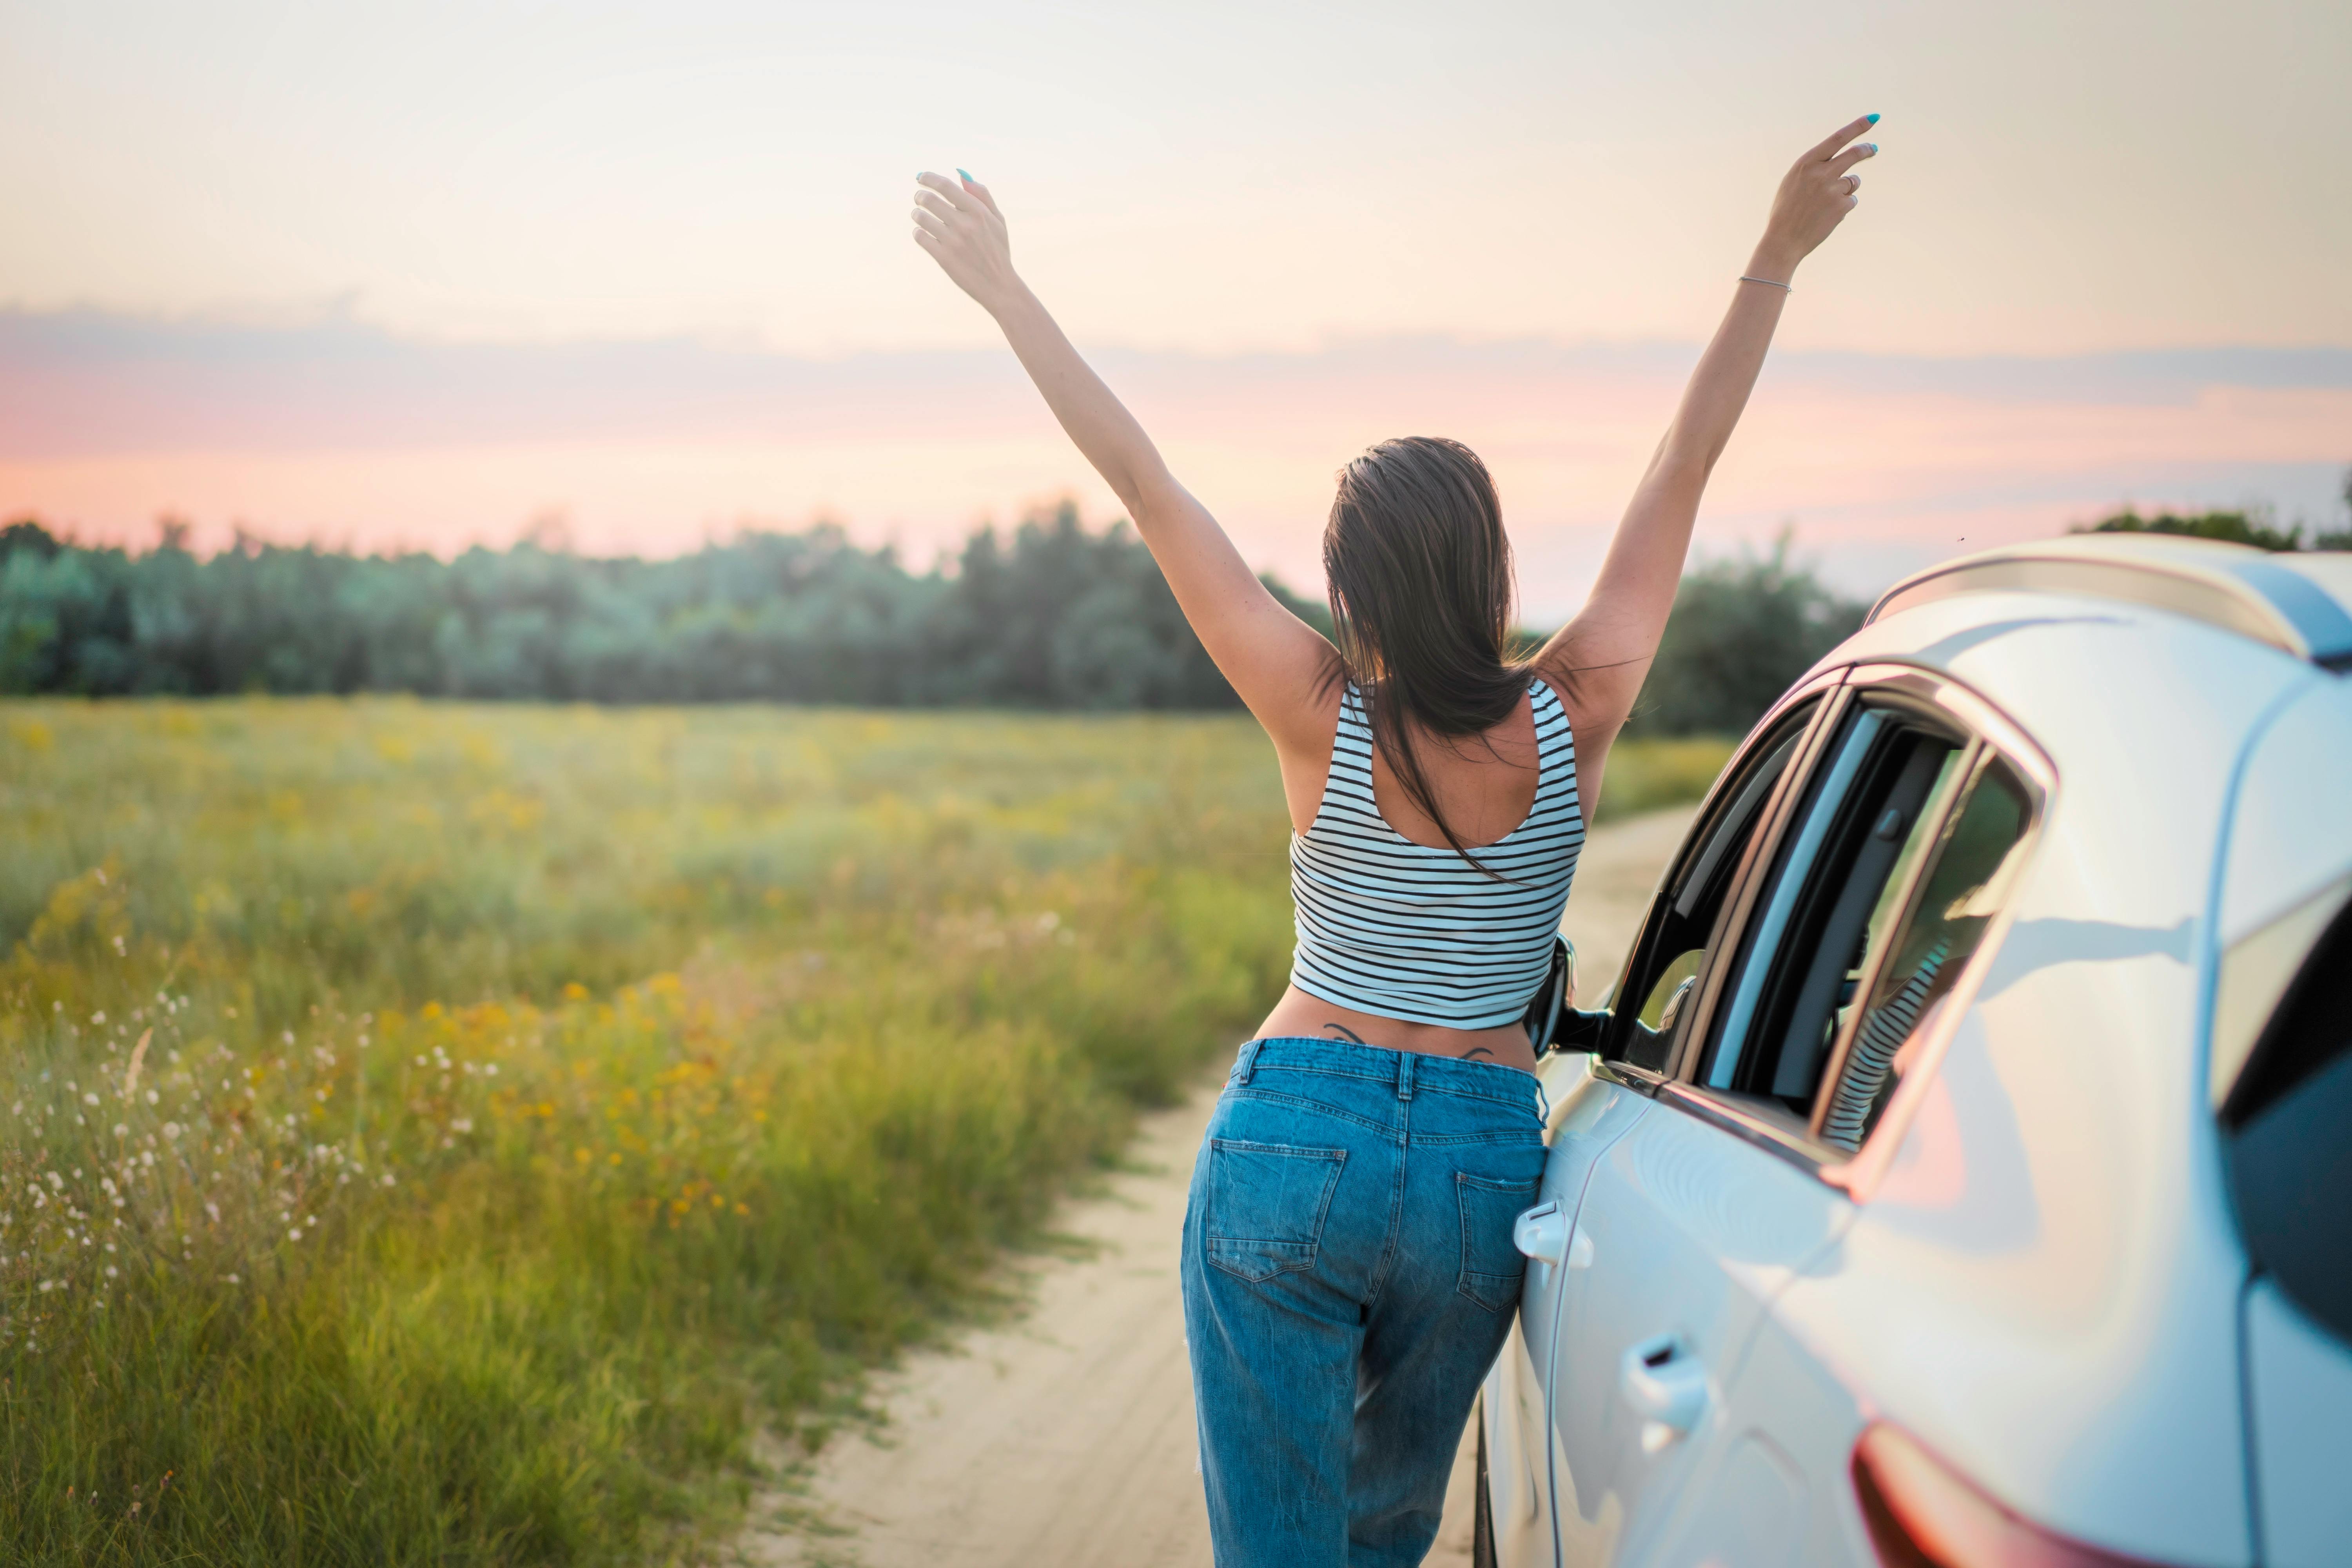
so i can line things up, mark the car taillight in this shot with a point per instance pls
(1923, 1514)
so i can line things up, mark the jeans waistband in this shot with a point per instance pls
(1412, 1072)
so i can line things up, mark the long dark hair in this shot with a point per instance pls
(1419, 573)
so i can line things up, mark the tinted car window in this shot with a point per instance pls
(1912, 970)
(1880, 890)
(1666, 961)
(1876, 793)
(2290, 1156)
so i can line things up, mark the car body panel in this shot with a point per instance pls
(1514, 1405)
(2299, 1398)
(2044, 1288)
(1686, 1234)
(1796, 1416)
(2291, 834)
(2291, 850)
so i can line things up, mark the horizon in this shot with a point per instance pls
(341, 433)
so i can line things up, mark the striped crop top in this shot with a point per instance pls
(1404, 931)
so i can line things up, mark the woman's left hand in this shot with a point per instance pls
(958, 223)
(1813, 199)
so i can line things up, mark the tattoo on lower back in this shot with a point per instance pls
(1342, 1028)
(1475, 1052)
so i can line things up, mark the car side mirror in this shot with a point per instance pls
(1580, 1029)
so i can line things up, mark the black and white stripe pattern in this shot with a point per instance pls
(1404, 930)
(1882, 1034)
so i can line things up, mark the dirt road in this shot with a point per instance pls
(1063, 1437)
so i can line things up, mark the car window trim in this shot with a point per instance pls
(1731, 920)
(1993, 734)
(1855, 746)
(1824, 687)
(1626, 1075)
(1690, 884)
(1725, 1112)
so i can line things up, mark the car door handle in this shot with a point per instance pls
(1666, 1383)
(1542, 1233)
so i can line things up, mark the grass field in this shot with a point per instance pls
(450, 1134)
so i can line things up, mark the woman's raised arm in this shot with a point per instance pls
(1610, 644)
(1273, 658)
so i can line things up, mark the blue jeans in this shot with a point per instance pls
(1348, 1277)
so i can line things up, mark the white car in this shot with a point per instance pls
(1964, 1174)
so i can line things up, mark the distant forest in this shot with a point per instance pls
(1055, 615)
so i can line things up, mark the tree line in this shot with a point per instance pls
(1052, 615)
(1055, 615)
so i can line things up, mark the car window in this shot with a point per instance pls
(1871, 910)
(2289, 1160)
(1914, 967)
(1665, 964)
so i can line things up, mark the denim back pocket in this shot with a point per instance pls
(1492, 1264)
(1267, 1205)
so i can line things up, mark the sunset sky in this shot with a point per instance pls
(422, 274)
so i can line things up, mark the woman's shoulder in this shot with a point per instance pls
(1591, 717)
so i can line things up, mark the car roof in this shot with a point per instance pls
(2298, 602)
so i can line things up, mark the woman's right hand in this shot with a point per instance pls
(958, 223)
(1813, 199)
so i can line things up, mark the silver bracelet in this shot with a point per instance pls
(1782, 287)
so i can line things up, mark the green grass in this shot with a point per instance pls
(1649, 774)
(451, 1134)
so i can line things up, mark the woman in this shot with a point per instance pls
(1348, 1270)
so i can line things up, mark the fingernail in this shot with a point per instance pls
(967, 176)
(1873, 149)
(1871, 118)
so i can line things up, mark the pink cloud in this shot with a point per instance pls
(339, 432)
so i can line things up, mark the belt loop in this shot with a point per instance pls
(1248, 1064)
(1406, 1062)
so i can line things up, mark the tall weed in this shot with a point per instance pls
(448, 1134)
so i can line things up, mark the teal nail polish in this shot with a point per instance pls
(967, 176)
(1873, 119)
